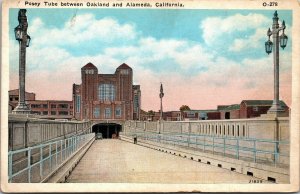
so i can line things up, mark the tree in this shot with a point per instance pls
(184, 108)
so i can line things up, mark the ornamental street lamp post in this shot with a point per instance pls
(161, 95)
(24, 40)
(276, 108)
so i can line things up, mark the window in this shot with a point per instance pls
(10, 99)
(255, 108)
(77, 103)
(106, 92)
(53, 112)
(36, 112)
(124, 71)
(36, 106)
(107, 113)
(45, 112)
(97, 112)
(190, 114)
(118, 112)
(63, 106)
(71, 107)
(63, 113)
(16, 98)
(45, 105)
(89, 71)
(53, 105)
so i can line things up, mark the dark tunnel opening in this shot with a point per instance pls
(108, 130)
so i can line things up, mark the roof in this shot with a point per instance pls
(89, 66)
(200, 111)
(261, 102)
(124, 66)
(231, 107)
(222, 107)
(16, 92)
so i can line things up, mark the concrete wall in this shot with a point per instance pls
(25, 131)
(243, 129)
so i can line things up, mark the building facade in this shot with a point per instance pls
(105, 96)
(48, 109)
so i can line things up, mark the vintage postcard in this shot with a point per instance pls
(150, 96)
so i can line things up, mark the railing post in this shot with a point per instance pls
(204, 144)
(213, 145)
(29, 165)
(65, 149)
(55, 154)
(10, 167)
(41, 162)
(224, 146)
(61, 154)
(237, 149)
(276, 152)
(254, 150)
(50, 155)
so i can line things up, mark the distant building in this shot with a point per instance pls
(48, 109)
(14, 96)
(172, 116)
(230, 112)
(167, 116)
(105, 96)
(246, 109)
(136, 89)
(255, 108)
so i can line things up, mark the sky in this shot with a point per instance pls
(204, 58)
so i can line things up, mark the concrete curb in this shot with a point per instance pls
(60, 174)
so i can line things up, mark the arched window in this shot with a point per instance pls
(232, 130)
(244, 131)
(238, 130)
(106, 92)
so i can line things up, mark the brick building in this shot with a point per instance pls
(254, 108)
(48, 109)
(105, 96)
(246, 109)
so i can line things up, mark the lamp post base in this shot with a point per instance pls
(22, 108)
(276, 110)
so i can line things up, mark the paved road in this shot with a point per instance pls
(116, 161)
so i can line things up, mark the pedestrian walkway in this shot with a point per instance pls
(116, 161)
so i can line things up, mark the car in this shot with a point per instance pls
(98, 136)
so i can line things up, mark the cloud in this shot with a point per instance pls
(80, 29)
(216, 28)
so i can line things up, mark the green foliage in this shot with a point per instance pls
(184, 108)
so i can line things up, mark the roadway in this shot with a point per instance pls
(116, 161)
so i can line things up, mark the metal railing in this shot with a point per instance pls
(33, 164)
(255, 150)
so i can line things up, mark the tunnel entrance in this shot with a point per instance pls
(108, 130)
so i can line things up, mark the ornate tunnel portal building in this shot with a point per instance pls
(108, 130)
